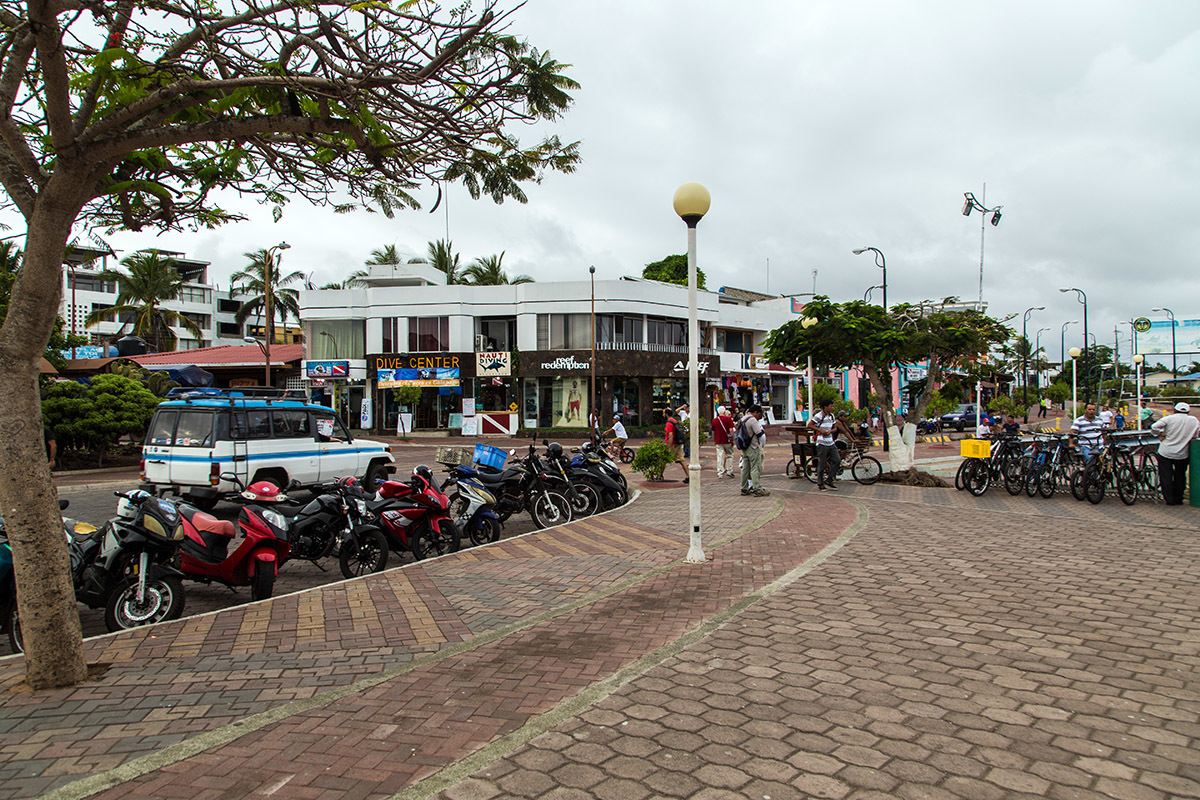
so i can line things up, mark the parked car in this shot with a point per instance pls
(195, 439)
(960, 417)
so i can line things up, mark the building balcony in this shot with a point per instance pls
(650, 347)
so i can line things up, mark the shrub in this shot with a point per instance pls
(1004, 405)
(939, 405)
(651, 459)
(1058, 392)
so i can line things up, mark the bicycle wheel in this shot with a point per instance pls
(1014, 474)
(626, 455)
(978, 477)
(1046, 483)
(810, 470)
(1094, 484)
(792, 471)
(1077, 488)
(1126, 483)
(959, 482)
(866, 470)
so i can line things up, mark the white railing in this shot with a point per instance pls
(652, 347)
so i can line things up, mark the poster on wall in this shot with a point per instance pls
(468, 406)
(421, 376)
(570, 403)
(364, 416)
(493, 365)
(403, 423)
(470, 426)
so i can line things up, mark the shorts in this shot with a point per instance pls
(619, 442)
(676, 452)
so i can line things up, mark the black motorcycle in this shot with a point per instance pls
(598, 468)
(524, 486)
(125, 567)
(572, 484)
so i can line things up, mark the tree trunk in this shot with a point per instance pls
(28, 501)
(903, 443)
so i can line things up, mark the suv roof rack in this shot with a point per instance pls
(235, 393)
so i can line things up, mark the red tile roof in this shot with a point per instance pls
(231, 355)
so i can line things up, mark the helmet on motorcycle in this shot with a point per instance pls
(127, 506)
(424, 473)
(263, 492)
(555, 450)
(347, 482)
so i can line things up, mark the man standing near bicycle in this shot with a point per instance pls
(1176, 431)
(1086, 433)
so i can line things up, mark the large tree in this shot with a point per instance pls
(285, 301)
(863, 334)
(489, 271)
(672, 269)
(123, 114)
(149, 280)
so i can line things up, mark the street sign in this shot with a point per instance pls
(1141, 324)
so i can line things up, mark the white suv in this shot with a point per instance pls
(192, 441)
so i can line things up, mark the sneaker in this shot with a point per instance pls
(832, 488)
(687, 480)
(821, 488)
(760, 493)
(747, 491)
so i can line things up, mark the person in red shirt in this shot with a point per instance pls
(673, 435)
(722, 431)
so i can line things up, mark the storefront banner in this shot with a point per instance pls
(493, 365)
(326, 369)
(701, 366)
(464, 362)
(389, 378)
(567, 364)
(364, 417)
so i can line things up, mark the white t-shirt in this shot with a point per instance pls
(1106, 418)
(824, 423)
(1179, 430)
(619, 431)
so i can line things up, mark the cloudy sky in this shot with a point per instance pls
(820, 127)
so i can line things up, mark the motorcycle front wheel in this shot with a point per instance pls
(484, 530)
(14, 630)
(549, 509)
(429, 542)
(369, 554)
(163, 601)
(585, 502)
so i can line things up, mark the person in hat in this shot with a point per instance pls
(620, 436)
(722, 431)
(1177, 432)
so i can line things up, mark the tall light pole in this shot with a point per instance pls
(595, 406)
(691, 203)
(1025, 358)
(1174, 355)
(1074, 352)
(1137, 385)
(880, 262)
(1038, 338)
(1062, 344)
(268, 262)
(970, 205)
(1081, 296)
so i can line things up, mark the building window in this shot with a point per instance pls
(428, 334)
(195, 294)
(90, 283)
(620, 330)
(202, 320)
(229, 330)
(391, 334)
(227, 306)
(498, 334)
(735, 341)
(564, 332)
(337, 339)
(669, 332)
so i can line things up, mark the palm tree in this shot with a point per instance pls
(489, 272)
(352, 281)
(285, 302)
(441, 256)
(149, 281)
(385, 256)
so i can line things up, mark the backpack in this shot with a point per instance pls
(676, 432)
(741, 437)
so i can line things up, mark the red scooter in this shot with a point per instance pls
(205, 556)
(416, 516)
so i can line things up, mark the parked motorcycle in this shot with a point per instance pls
(571, 484)
(205, 555)
(472, 506)
(416, 516)
(9, 620)
(927, 426)
(595, 466)
(125, 567)
(525, 486)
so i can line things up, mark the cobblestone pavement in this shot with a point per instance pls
(881, 642)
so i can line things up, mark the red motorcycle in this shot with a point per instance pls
(415, 516)
(205, 556)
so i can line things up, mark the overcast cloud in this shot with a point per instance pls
(819, 127)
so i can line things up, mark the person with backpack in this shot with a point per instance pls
(722, 431)
(749, 439)
(673, 436)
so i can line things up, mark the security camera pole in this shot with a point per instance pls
(970, 205)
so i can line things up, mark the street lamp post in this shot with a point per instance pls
(1074, 353)
(1174, 355)
(808, 322)
(1081, 296)
(1062, 344)
(1025, 358)
(970, 205)
(691, 203)
(1038, 338)
(1137, 386)
(268, 330)
(880, 262)
(595, 406)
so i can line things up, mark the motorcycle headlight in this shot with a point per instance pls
(275, 518)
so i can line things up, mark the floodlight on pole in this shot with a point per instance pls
(1174, 355)
(1025, 358)
(1081, 296)
(268, 326)
(971, 204)
(1137, 385)
(1074, 353)
(881, 262)
(691, 203)
(806, 323)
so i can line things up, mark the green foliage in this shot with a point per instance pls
(1058, 392)
(1004, 405)
(672, 269)
(149, 280)
(825, 391)
(1180, 391)
(940, 404)
(489, 271)
(406, 395)
(687, 428)
(158, 382)
(1151, 391)
(95, 417)
(651, 459)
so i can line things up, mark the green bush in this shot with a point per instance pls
(651, 459)
(1151, 391)
(1004, 405)
(939, 405)
(1181, 391)
(1058, 392)
(94, 418)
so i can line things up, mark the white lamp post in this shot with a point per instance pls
(268, 330)
(1137, 386)
(691, 203)
(808, 322)
(1074, 353)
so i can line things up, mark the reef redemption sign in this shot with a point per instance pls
(413, 370)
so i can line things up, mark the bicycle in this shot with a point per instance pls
(1145, 470)
(976, 474)
(863, 468)
(1110, 466)
(617, 452)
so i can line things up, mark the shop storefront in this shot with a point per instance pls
(331, 384)
(436, 382)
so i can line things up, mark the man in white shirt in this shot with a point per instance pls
(752, 456)
(1086, 432)
(1177, 432)
(1106, 417)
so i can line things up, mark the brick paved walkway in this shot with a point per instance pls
(947, 646)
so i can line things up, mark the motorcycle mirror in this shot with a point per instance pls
(545, 442)
(292, 484)
(574, 449)
(512, 451)
(62, 504)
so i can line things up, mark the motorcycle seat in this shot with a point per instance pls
(493, 479)
(207, 522)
